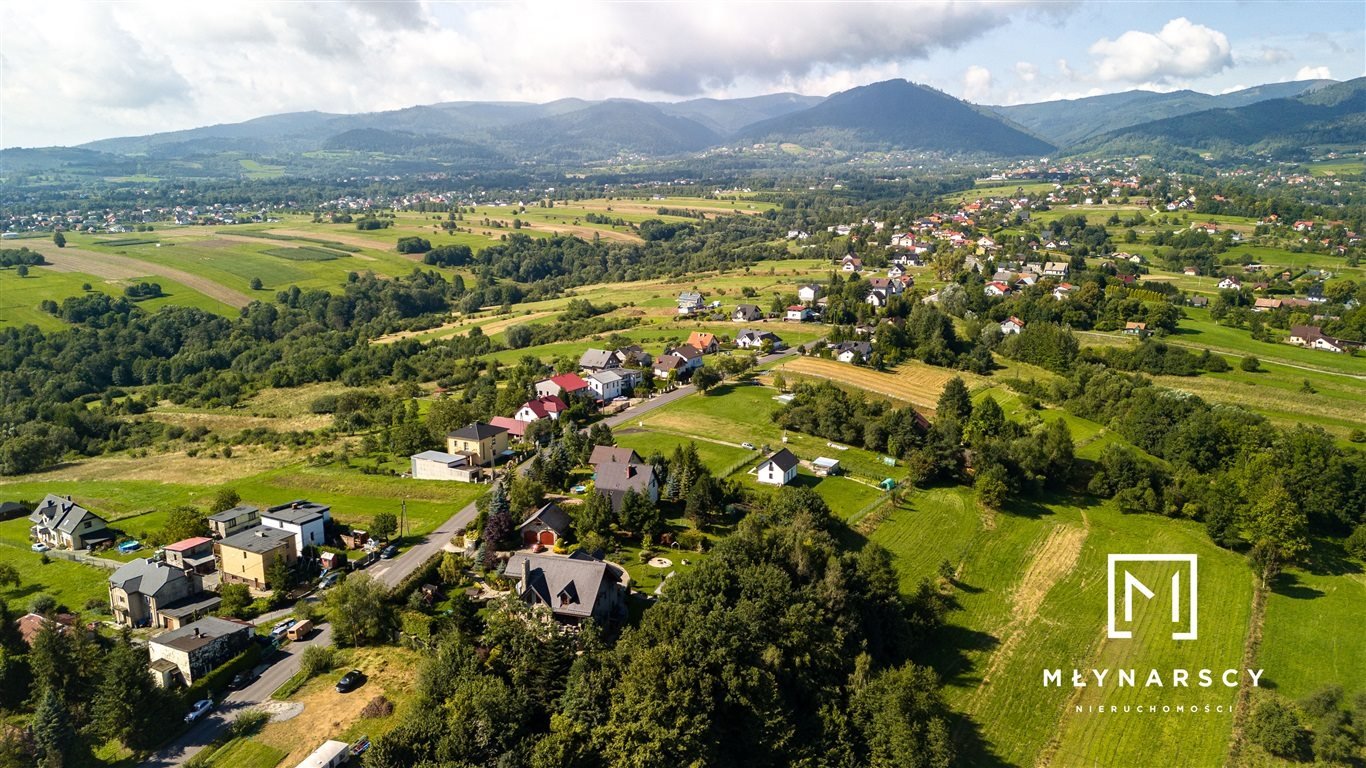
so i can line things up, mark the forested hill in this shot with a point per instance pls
(897, 114)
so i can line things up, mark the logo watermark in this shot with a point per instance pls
(1184, 609)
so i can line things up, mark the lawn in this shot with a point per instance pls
(20, 296)
(1031, 595)
(244, 752)
(73, 584)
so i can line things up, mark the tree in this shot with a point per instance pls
(256, 284)
(639, 515)
(518, 336)
(706, 379)
(903, 720)
(705, 499)
(281, 576)
(22, 270)
(51, 729)
(59, 239)
(185, 523)
(594, 515)
(129, 704)
(1250, 364)
(359, 611)
(1275, 727)
(236, 599)
(955, 400)
(224, 499)
(992, 486)
(9, 575)
(383, 525)
(1277, 529)
(498, 526)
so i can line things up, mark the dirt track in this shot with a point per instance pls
(114, 267)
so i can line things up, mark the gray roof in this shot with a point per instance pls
(260, 540)
(759, 336)
(603, 454)
(623, 476)
(193, 636)
(477, 431)
(569, 586)
(145, 576)
(62, 514)
(440, 457)
(298, 512)
(692, 296)
(552, 516)
(189, 606)
(597, 358)
(605, 377)
(748, 311)
(785, 460)
(686, 352)
(228, 515)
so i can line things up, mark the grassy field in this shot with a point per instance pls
(246, 753)
(20, 296)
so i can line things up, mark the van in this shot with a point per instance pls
(300, 631)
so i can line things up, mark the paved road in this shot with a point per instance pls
(201, 734)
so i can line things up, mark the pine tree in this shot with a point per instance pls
(498, 526)
(51, 728)
(128, 703)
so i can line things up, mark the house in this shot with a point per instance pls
(575, 589)
(746, 313)
(895, 271)
(778, 469)
(330, 754)
(1313, 294)
(876, 298)
(825, 466)
(1063, 290)
(153, 593)
(1011, 325)
(996, 288)
(666, 365)
(194, 554)
(439, 465)
(1199, 302)
(797, 314)
(516, 429)
(615, 478)
(1311, 336)
(751, 339)
(691, 357)
(246, 558)
(187, 654)
(61, 523)
(607, 385)
(705, 343)
(598, 359)
(546, 526)
(544, 407)
(305, 519)
(610, 454)
(1232, 283)
(30, 624)
(564, 386)
(690, 302)
(230, 521)
(1191, 271)
(482, 443)
(1136, 329)
(12, 509)
(1266, 305)
(634, 355)
(808, 294)
(1056, 268)
(851, 264)
(853, 351)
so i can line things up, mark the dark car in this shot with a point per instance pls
(350, 681)
(242, 679)
(388, 552)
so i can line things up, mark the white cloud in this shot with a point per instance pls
(977, 83)
(1180, 49)
(1313, 73)
(1026, 71)
(82, 70)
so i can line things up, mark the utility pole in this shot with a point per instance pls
(403, 521)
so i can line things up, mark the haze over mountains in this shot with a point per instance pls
(890, 115)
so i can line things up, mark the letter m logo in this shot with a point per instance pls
(1124, 590)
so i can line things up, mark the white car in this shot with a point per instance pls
(200, 708)
(40, 547)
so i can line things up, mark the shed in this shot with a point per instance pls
(825, 466)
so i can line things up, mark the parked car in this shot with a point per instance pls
(280, 629)
(350, 681)
(200, 708)
(242, 679)
(388, 552)
(329, 579)
(39, 546)
(747, 446)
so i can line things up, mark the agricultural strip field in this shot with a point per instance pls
(912, 382)
(115, 267)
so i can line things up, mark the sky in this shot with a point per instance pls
(72, 72)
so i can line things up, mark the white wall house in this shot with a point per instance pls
(778, 469)
(306, 520)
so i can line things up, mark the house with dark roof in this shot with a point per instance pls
(605, 454)
(690, 355)
(575, 589)
(634, 355)
(303, 518)
(667, 364)
(564, 385)
(747, 313)
(187, 654)
(690, 302)
(752, 339)
(853, 351)
(778, 469)
(598, 359)
(154, 593)
(615, 478)
(61, 523)
(546, 526)
(482, 443)
(232, 521)
(247, 557)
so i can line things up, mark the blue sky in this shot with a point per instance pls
(74, 71)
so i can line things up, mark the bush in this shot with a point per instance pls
(1250, 364)
(42, 603)
(316, 660)
(1275, 727)
(413, 245)
(1356, 544)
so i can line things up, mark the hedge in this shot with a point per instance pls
(217, 680)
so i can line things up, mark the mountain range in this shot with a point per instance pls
(890, 115)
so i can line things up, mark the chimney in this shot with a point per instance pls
(526, 573)
(196, 631)
(630, 470)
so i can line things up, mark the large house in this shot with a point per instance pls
(305, 519)
(61, 523)
(1311, 336)
(565, 385)
(615, 478)
(546, 526)
(598, 360)
(574, 588)
(705, 343)
(608, 454)
(747, 313)
(544, 407)
(481, 443)
(608, 385)
(807, 294)
(189, 653)
(690, 355)
(246, 558)
(1056, 268)
(778, 469)
(153, 593)
(231, 521)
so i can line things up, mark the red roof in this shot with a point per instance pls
(544, 406)
(187, 544)
(514, 427)
(569, 382)
(796, 308)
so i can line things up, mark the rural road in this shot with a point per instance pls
(203, 733)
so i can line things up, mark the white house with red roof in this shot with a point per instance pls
(570, 384)
(1012, 325)
(996, 288)
(544, 407)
